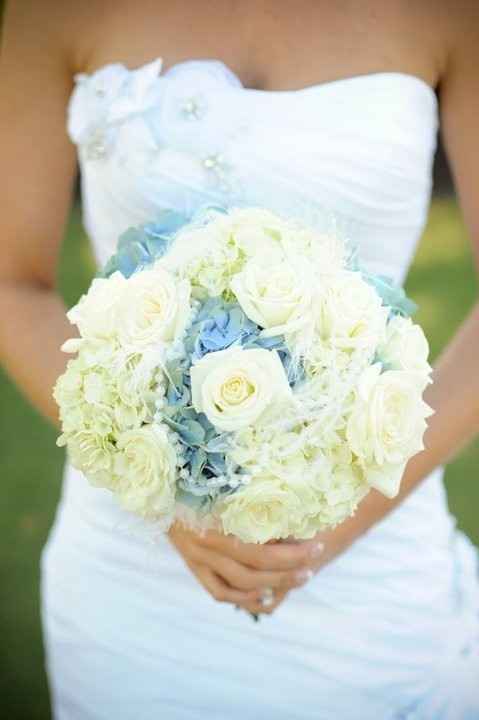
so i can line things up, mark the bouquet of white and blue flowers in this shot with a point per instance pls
(243, 372)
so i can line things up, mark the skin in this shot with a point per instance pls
(274, 46)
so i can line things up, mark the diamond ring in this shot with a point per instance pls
(267, 597)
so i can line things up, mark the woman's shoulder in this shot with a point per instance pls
(106, 32)
(58, 31)
(80, 34)
(456, 25)
(434, 35)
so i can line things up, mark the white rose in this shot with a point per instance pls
(191, 246)
(257, 232)
(260, 511)
(234, 387)
(146, 468)
(350, 314)
(155, 308)
(386, 478)
(96, 312)
(405, 347)
(327, 252)
(278, 298)
(387, 424)
(262, 234)
(270, 507)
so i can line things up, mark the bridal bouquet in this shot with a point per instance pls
(242, 372)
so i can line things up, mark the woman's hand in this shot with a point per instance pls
(239, 573)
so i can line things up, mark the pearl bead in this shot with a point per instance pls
(213, 162)
(193, 108)
(95, 147)
(218, 170)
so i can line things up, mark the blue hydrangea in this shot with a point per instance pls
(218, 326)
(392, 295)
(140, 246)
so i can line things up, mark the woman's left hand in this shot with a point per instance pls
(336, 541)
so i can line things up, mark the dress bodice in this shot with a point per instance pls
(354, 153)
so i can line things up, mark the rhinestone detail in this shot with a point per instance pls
(95, 147)
(193, 108)
(218, 169)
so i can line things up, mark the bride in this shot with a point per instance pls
(316, 110)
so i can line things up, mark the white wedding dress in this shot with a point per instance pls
(388, 631)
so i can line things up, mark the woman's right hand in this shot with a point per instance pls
(238, 573)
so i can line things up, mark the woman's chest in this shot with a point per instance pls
(356, 152)
(272, 45)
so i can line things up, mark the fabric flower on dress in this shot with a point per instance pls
(103, 100)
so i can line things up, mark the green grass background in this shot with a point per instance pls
(442, 281)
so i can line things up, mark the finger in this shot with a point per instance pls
(237, 575)
(243, 577)
(219, 590)
(278, 556)
(287, 556)
(259, 608)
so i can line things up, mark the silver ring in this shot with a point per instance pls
(267, 597)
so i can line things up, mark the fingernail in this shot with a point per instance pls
(303, 576)
(317, 550)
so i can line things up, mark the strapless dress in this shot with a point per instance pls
(390, 629)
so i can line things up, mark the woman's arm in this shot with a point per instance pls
(454, 395)
(37, 164)
(37, 167)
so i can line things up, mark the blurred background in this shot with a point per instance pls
(442, 281)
